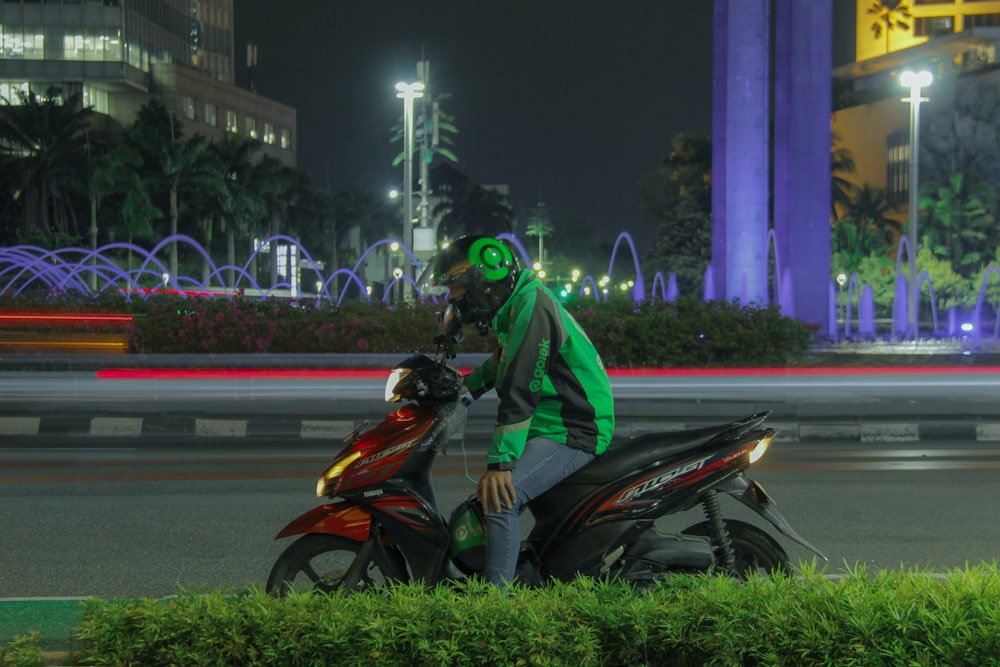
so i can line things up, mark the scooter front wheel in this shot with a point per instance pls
(334, 563)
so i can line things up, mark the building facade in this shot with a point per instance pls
(118, 54)
(956, 40)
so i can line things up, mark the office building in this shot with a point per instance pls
(118, 54)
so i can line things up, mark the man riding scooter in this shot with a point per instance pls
(556, 411)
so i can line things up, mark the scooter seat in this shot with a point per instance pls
(641, 451)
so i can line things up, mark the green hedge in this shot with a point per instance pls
(886, 618)
(690, 332)
(687, 332)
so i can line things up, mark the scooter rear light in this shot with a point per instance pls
(331, 474)
(760, 448)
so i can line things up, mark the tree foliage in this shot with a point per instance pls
(961, 132)
(852, 243)
(841, 165)
(64, 184)
(43, 165)
(470, 208)
(678, 198)
(961, 221)
(870, 206)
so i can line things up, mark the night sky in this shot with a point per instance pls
(572, 101)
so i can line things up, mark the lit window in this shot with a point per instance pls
(190, 111)
(982, 21)
(232, 122)
(17, 43)
(897, 175)
(95, 99)
(268, 133)
(933, 26)
(10, 91)
(211, 115)
(34, 46)
(73, 47)
(252, 127)
(115, 46)
(286, 139)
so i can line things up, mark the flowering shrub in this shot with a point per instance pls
(687, 332)
(248, 326)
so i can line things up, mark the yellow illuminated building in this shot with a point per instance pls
(953, 39)
(928, 20)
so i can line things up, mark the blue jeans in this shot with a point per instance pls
(543, 464)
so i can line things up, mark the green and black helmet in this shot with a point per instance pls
(484, 265)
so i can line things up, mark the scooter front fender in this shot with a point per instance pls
(341, 518)
(753, 495)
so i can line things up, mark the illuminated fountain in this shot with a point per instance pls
(137, 272)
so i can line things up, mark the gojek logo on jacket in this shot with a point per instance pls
(540, 365)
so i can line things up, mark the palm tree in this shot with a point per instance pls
(539, 225)
(43, 162)
(169, 160)
(358, 207)
(870, 207)
(853, 242)
(843, 190)
(278, 186)
(472, 209)
(369, 212)
(318, 227)
(240, 205)
(889, 15)
(115, 171)
(690, 164)
(138, 211)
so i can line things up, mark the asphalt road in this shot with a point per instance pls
(671, 392)
(141, 517)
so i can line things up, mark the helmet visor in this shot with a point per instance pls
(430, 283)
(443, 271)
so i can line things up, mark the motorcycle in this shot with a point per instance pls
(387, 526)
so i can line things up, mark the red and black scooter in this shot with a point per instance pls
(387, 525)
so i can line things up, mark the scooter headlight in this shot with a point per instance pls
(760, 448)
(329, 477)
(395, 377)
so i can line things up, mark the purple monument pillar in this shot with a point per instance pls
(803, 62)
(740, 91)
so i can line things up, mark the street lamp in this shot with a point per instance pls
(408, 92)
(914, 81)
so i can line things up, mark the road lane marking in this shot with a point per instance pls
(19, 425)
(325, 429)
(116, 426)
(221, 428)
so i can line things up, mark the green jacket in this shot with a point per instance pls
(549, 377)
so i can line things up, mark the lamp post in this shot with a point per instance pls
(914, 81)
(408, 92)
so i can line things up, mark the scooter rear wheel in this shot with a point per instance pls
(755, 550)
(324, 562)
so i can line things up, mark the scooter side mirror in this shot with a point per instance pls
(451, 331)
(451, 324)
